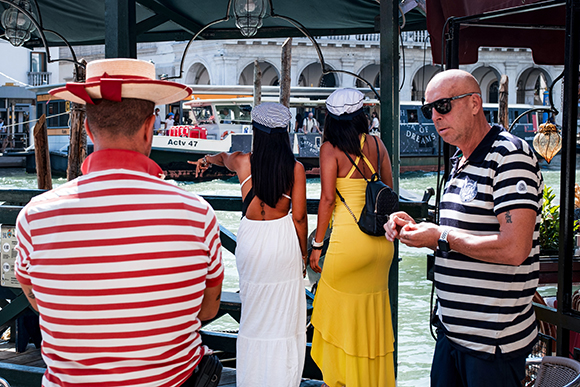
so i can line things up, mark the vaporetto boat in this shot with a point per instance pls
(223, 124)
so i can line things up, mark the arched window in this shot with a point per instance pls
(493, 92)
(328, 80)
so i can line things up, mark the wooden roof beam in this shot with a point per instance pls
(150, 23)
(161, 9)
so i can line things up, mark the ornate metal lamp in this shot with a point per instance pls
(249, 15)
(17, 25)
(548, 141)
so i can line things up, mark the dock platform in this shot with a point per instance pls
(26, 369)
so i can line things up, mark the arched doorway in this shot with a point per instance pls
(197, 75)
(493, 92)
(420, 81)
(531, 86)
(488, 79)
(312, 76)
(371, 74)
(270, 74)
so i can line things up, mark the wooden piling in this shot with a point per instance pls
(286, 71)
(257, 84)
(78, 136)
(503, 102)
(41, 154)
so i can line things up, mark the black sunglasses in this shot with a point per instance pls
(443, 105)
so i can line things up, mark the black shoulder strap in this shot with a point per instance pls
(247, 200)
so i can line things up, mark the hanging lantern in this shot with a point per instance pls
(249, 15)
(17, 26)
(548, 141)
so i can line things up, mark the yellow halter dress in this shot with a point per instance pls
(353, 334)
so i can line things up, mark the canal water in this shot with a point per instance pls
(415, 342)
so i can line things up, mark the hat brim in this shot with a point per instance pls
(159, 92)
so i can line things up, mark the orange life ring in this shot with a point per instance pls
(225, 134)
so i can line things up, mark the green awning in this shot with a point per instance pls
(83, 22)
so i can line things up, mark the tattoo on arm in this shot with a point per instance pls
(508, 217)
(31, 295)
(219, 296)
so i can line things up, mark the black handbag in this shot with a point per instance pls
(380, 201)
(207, 373)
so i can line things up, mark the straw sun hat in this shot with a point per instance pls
(114, 79)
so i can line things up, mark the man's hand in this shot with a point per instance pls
(396, 222)
(27, 290)
(420, 235)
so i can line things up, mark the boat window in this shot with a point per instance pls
(525, 119)
(56, 121)
(412, 116)
(201, 115)
(234, 114)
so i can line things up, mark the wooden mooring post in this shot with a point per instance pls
(503, 102)
(77, 150)
(257, 84)
(286, 69)
(41, 154)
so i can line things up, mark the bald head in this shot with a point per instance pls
(454, 82)
(458, 113)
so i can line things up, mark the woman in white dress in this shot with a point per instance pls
(270, 252)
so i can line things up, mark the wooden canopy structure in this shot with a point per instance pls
(536, 24)
(130, 21)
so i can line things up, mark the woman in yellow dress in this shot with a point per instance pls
(353, 335)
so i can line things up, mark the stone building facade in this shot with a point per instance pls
(231, 62)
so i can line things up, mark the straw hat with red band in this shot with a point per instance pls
(114, 79)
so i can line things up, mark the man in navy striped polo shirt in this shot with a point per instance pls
(486, 246)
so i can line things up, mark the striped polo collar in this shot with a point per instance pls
(120, 159)
(478, 155)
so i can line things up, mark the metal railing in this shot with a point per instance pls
(415, 37)
(38, 78)
(407, 37)
(13, 200)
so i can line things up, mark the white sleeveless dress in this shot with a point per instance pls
(271, 342)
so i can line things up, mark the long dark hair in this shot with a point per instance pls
(272, 166)
(345, 134)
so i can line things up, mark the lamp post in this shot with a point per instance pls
(249, 15)
(17, 25)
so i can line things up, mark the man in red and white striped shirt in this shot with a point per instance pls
(121, 265)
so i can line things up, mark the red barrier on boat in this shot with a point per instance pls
(187, 131)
